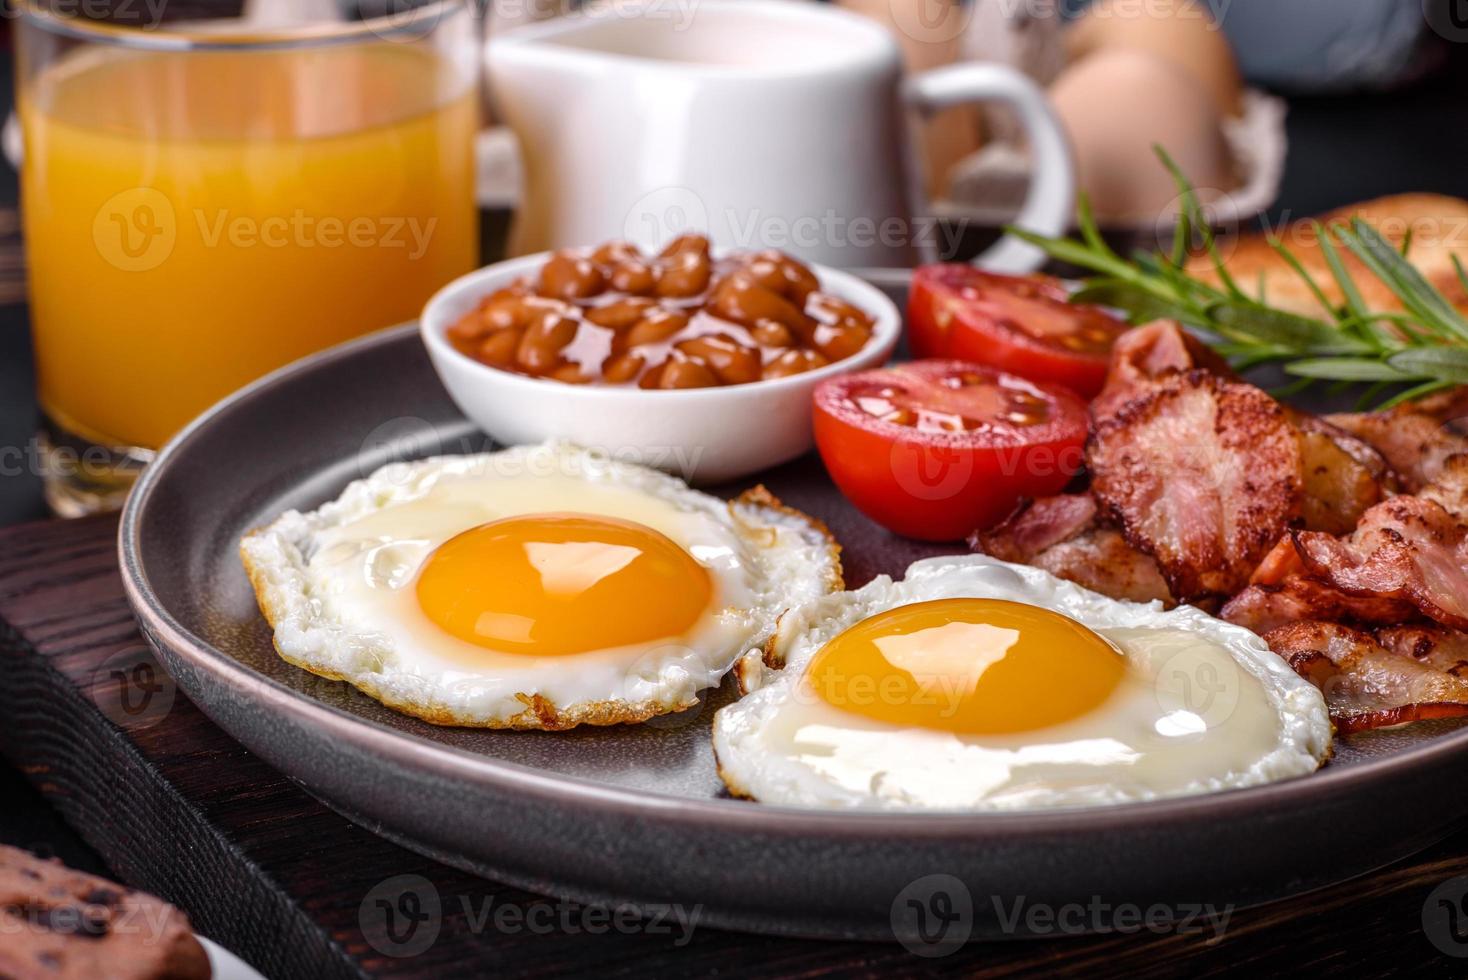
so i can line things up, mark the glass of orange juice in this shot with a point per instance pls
(206, 202)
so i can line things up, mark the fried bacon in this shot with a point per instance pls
(1037, 525)
(1150, 353)
(1450, 490)
(1281, 562)
(1298, 598)
(1416, 439)
(1064, 536)
(1202, 473)
(1366, 685)
(1412, 548)
(1442, 649)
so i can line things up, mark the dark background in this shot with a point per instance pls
(1342, 149)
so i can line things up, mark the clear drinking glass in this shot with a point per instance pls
(204, 202)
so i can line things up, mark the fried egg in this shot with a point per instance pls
(537, 587)
(975, 684)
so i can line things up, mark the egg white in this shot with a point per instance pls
(336, 584)
(1153, 737)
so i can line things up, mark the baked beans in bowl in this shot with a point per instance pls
(695, 361)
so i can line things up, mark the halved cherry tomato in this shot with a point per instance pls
(1019, 324)
(939, 449)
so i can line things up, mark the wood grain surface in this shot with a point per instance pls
(178, 808)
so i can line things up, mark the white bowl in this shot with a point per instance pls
(706, 435)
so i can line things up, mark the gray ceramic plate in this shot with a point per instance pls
(637, 814)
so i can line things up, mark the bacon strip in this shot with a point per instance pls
(1064, 536)
(1037, 525)
(1149, 353)
(1441, 649)
(1416, 439)
(1281, 562)
(1202, 473)
(1366, 685)
(1409, 548)
(1298, 598)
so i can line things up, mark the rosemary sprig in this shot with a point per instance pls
(1414, 351)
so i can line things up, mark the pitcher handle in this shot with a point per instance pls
(1050, 202)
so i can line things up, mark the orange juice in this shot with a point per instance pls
(196, 219)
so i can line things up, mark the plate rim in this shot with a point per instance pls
(457, 764)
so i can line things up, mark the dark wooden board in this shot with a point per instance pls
(176, 807)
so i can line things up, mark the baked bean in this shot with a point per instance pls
(685, 372)
(782, 274)
(615, 253)
(794, 362)
(656, 327)
(500, 310)
(686, 243)
(622, 368)
(570, 276)
(768, 333)
(685, 274)
(837, 342)
(499, 349)
(540, 347)
(834, 309)
(731, 361)
(570, 374)
(739, 298)
(505, 311)
(620, 314)
(634, 277)
(468, 330)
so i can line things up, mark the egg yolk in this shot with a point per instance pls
(968, 666)
(549, 584)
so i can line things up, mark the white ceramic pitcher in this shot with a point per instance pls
(765, 123)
